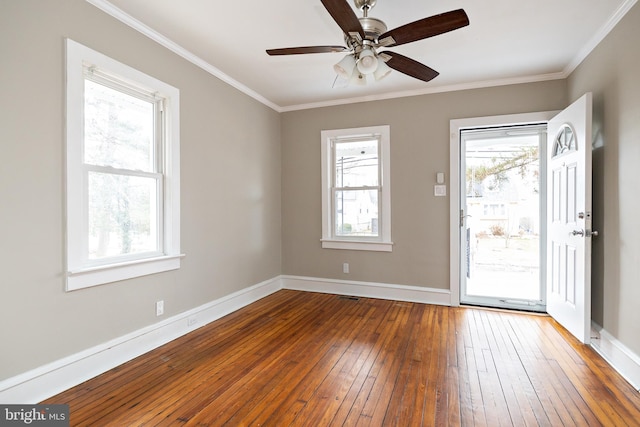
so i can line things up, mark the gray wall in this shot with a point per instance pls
(419, 131)
(230, 161)
(419, 149)
(246, 169)
(612, 73)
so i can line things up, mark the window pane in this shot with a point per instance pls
(123, 212)
(356, 213)
(356, 164)
(118, 129)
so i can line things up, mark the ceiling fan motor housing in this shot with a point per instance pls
(373, 27)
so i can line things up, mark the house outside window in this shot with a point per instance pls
(123, 201)
(494, 210)
(356, 198)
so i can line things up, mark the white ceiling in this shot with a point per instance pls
(507, 41)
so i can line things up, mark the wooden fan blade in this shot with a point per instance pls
(306, 49)
(344, 16)
(410, 67)
(427, 27)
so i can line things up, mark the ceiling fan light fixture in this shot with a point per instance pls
(367, 61)
(345, 67)
(358, 79)
(382, 71)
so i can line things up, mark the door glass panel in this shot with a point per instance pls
(565, 141)
(502, 222)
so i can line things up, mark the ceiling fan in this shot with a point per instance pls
(364, 36)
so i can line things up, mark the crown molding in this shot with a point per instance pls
(437, 89)
(599, 36)
(127, 19)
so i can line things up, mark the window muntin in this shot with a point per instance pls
(565, 141)
(356, 211)
(123, 168)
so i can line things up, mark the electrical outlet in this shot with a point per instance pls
(345, 267)
(159, 308)
(191, 321)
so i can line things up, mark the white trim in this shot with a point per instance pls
(382, 243)
(78, 57)
(599, 36)
(127, 19)
(455, 126)
(48, 380)
(430, 90)
(368, 289)
(93, 276)
(619, 356)
(357, 246)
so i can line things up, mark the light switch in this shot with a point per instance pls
(439, 190)
(440, 178)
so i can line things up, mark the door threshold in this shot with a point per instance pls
(504, 309)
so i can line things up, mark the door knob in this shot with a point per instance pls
(589, 233)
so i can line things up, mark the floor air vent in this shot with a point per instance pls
(348, 297)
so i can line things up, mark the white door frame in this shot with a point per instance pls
(455, 126)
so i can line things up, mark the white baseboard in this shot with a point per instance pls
(48, 380)
(45, 381)
(619, 356)
(368, 289)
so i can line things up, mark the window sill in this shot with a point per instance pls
(357, 245)
(94, 276)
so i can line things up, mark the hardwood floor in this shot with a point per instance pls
(308, 359)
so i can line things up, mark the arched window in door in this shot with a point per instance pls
(565, 141)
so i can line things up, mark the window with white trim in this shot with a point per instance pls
(123, 171)
(356, 200)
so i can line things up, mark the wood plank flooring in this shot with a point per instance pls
(309, 359)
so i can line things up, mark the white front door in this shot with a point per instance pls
(569, 218)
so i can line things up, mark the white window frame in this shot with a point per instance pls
(382, 242)
(82, 272)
